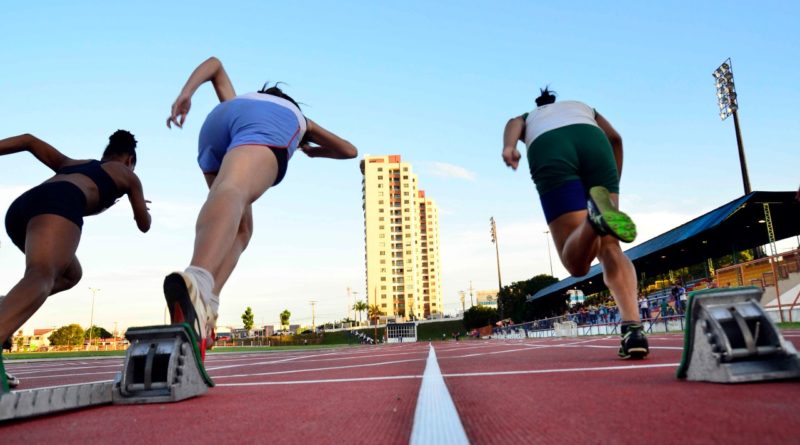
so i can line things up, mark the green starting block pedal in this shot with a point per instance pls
(729, 338)
(162, 364)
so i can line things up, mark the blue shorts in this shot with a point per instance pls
(250, 120)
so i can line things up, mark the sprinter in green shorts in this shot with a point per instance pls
(575, 158)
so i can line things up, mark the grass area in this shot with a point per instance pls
(789, 325)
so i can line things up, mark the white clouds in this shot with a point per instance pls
(445, 170)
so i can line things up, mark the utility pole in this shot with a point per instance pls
(549, 255)
(349, 305)
(463, 308)
(94, 291)
(471, 302)
(497, 254)
(313, 319)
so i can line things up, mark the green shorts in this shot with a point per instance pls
(575, 152)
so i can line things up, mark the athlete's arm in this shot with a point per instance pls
(212, 70)
(328, 145)
(514, 132)
(44, 152)
(613, 137)
(141, 213)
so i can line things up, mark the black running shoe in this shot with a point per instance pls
(634, 343)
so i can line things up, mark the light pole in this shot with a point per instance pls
(549, 255)
(729, 105)
(94, 291)
(497, 255)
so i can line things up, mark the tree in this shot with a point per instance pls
(247, 319)
(97, 332)
(71, 335)
(374, 313)
(285, 317)
(480, 316)
(513, 300)
(360, 307)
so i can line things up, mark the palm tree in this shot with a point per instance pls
(359, 307)
(375, 313)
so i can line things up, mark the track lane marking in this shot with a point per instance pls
(436, 419)
(553, 371)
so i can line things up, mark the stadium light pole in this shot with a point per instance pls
(497, 255)
(94, 291)
(549, 255)
(728, 106)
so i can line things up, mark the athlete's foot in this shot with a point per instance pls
(634, 343)
(606, 219)
(13, 382)
(187, 305)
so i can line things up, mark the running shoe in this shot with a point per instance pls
(606, 219)
(634, 342)
(13, 382)
(186, 305)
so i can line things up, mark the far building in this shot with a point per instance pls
(401, 233)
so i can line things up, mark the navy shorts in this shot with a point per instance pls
(60, 198)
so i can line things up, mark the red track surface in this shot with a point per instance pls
(525, 391)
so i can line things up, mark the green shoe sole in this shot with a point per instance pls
(611, 221)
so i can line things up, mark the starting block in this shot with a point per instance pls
(162, 364)
(35, 402)
(729, 338)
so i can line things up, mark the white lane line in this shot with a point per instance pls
(300, 382)
(327, 368)
(436, 419)
(61, 369)
(26, 378)
(552, 371)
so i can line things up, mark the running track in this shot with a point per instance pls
(503, 392)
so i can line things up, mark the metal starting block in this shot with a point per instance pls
(35, 402)
(162, 364)
(729, 338)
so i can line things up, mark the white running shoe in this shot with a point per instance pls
(186, 305)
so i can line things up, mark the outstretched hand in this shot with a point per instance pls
(179, 111)
(511, 157)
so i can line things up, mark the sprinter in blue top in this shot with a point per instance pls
(244, 149)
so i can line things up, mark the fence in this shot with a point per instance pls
(563, 326)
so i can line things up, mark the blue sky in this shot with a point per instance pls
(432, 81)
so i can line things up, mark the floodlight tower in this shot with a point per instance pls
(729, 105)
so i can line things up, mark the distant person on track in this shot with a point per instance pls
(244, 149)
(45, 222)
(575, 159)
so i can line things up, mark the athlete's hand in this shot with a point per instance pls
(179, 111)
(511, 157)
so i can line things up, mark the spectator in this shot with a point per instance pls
(644, 307)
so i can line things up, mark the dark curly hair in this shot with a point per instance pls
(121, 143)
(546, 98)
(276, 91)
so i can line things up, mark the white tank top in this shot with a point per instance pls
(556, 115)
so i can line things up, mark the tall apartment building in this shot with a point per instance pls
(401, 233)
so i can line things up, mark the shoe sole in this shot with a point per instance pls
(181, 309)
(615, 223)
(635, 353)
